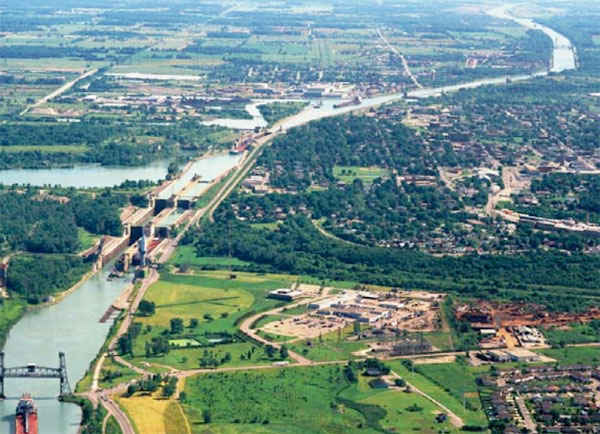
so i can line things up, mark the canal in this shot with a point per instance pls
(72, 326)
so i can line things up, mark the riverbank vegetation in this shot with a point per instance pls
(276, 111)
(109, 142)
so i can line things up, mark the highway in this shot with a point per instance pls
(58, 91)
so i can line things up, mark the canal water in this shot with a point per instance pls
(207, 168)
(85, 176)
(71, 326)
(95, 176)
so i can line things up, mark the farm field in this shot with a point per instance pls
(301, 400)
(152, 415)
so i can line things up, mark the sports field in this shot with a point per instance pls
(365, 174)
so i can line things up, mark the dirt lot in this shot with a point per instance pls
(306, 326)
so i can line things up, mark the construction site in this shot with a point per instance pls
(516, 324)
(386, 312)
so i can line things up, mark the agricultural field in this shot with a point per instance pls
(301, 400)
(154, 415)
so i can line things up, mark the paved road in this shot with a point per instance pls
(58, 91)
(114, 409)
(407, 70)
(529, 423)
(253, 333)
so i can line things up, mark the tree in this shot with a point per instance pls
(270, 350)
(125, 344)
(357, 329)
(193, 323)
(146, 308)
(206, 415)
(283, 352)
(176, 326)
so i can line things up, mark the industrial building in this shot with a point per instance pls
(285, 294)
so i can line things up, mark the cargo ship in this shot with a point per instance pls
(26, 421)
(354, 101)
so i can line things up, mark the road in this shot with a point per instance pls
(58, 91)
(245, 327)
(121, 418)
(512, 184)
(407, 70)
(529, 423)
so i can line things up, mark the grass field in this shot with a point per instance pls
(302, 400)
(572, 355)
(87, 239)
(470, 417)
(156, 416)
(108, 365)
(331, 346)
(365, 174)
(187, 255)
(456, 379)
(575, 334)
(218, 303)
(190, 297)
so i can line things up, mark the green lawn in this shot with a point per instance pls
(328, 349)
(302, 400)
(573, 355)
(266, 320)
(268, 226)
(218, 303)
(187, 255)
(109, 366)
(575, 334)
(87, 239)
(456, 379)
(470, 417)
(366, 174)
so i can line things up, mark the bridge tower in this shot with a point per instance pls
(65, 388)
(2, 396)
